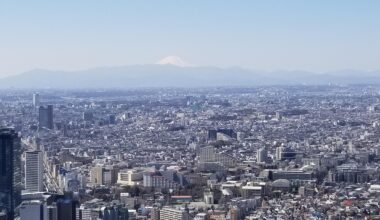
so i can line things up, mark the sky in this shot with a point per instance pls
(323, 35)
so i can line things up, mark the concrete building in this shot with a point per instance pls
(32, 210)
(130, 177)
(208, 197)
(45, 117)
(155, 214)
(279, 152)
(210, 154)
(36, 100)
(173, 214)
(262, 155)
(96, 175)
(34, 171)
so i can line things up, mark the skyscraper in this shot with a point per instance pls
(10, 167)
(66, 209)
(262, 155)
(34, 171)
(36, 100)
(45, 118)
(279, 152)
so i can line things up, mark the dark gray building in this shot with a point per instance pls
(10, 171)
(45, 117)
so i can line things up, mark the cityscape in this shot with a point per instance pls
(212, 153)
(190, 110)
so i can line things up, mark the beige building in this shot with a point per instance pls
(174, 214)
(130, 177)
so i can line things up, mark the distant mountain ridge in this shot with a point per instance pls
(138, 76)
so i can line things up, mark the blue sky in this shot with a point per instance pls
(320, 35)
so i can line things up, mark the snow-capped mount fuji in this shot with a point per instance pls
(173, 60)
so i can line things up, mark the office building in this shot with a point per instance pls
(114, 212)
(107, 175)
(34, 171)
(50, 212)
(173, 214)
(130, 177)
(45, 118)
(36, 100)
(66, 209)
(32, 210)
(210, 154)
(10, 171)
(88, 116)
(279, 152)
(96, 175)
(262, 155)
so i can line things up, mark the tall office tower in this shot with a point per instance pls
(279, 152)
(351, 148)
(36, 100)
(96, 175)
(66, 209)
(10, 171)
(262, 155)
(45, 118)
(34, 171)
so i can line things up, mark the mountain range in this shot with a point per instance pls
(138, 76)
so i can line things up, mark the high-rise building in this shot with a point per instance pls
(32, 210)
(111, 119)
(88, 116)
(96, 175)
(262, 155)
(34, 171)
(10, 171)
(45, 118)
(66, 209)
(279, 152)
(36, 100)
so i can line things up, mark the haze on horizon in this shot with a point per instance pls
(269, 35)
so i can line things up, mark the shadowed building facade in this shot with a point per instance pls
(10, 171)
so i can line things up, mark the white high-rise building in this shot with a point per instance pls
(279, 152)
(36, 99)
(262, 155)
(34, 171)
